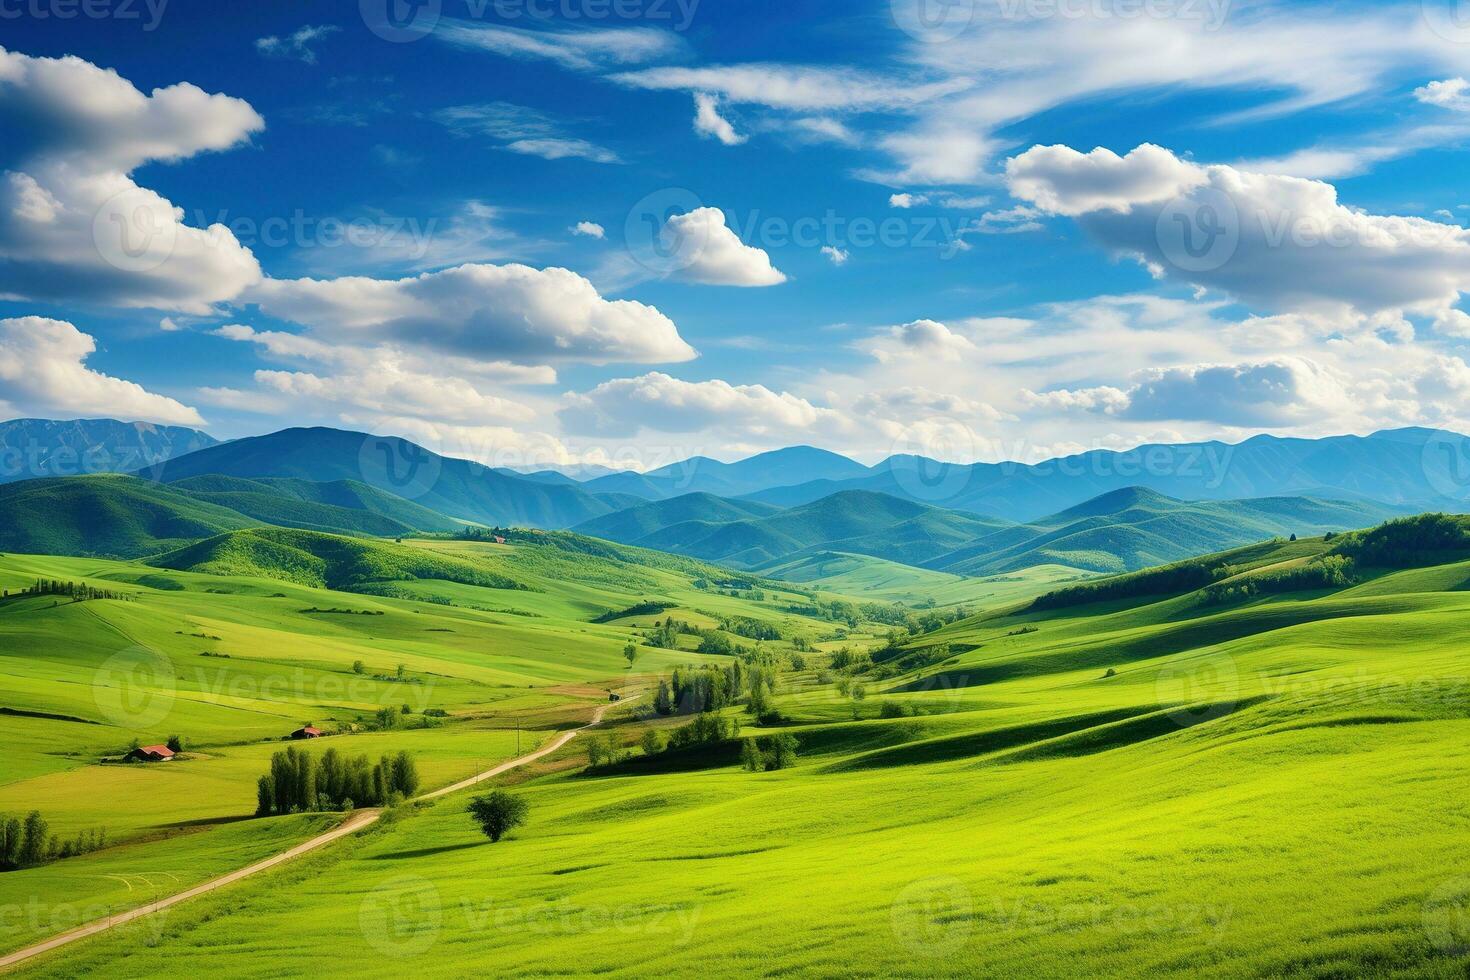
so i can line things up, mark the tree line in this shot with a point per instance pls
(299, 782)
(29, 842)
(77, 591)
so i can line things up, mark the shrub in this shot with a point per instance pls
(498, 813)
(896, 709)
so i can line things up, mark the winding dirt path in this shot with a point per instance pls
(354, 823)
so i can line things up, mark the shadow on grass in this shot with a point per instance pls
(429, 851)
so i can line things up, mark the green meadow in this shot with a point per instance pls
(1246, 773)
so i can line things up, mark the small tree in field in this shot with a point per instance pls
(630, 652)
(498, 813)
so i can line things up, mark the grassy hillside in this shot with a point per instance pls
(110, 515)
(1156, 786)
(341, 506)
(1137, 528)
(858, 522)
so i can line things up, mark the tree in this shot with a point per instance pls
(402, 671)
(498, 813)
(630, 653)
(663, 701)
(33, 848)
(405, 775)
(175, 743)
(11, 837)
(358, 667)
(265, 797)
(653, 741)
(751, 757)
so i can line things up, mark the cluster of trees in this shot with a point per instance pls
(648, 607)
(605, 750)
(298, 782)
(693, 690)
(1326, 572)
(752, 629)
(666, 634)
(76, 591)
(1408, 541)
(29, 842)
(766, 754)
(705, 729)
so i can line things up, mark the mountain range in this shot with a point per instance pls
(31, 448)
(760, 513)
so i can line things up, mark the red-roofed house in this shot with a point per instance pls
(307, 731)
(150, 753)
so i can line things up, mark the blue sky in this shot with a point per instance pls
(627, 232)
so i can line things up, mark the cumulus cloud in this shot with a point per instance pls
(73, 224)
(589, 229)
(43, 371)
(910, 404)
(906, 200)
(296, 45)
(658, 402)
(835, 255)
(1283, 243)
(496, 312)
(706, 251)
(709, 122)
(927, 339)
(1447, 94)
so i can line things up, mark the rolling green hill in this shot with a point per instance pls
(342, 506)
(1135, 528)
(1156, 784)
(108, 515)
(856, 521)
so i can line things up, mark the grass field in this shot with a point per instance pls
(1150, 785)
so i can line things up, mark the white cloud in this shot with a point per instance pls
(927, 339)
(1447, 94)
(494, 312)
(837, 256)
(297, 45)
(708, 252)
(658, 402)
(823, 129)
(910, 404)
(73, 224)
(169, 325)
(709, 122)
(799, 87)
(589, 229)
(1281, 242)
(521, 130)
(906, 200)
(563, 148)
(43, 372)
(580, 50)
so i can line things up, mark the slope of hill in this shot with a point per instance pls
(701, 474)
(855, 521)
(321, 560)
(108, 515)
(1135, 527)
(454, 487)
(1418, 468)
(340, 506)
(31, 448)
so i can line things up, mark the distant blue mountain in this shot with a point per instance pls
(31, 448)
(701, 474)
